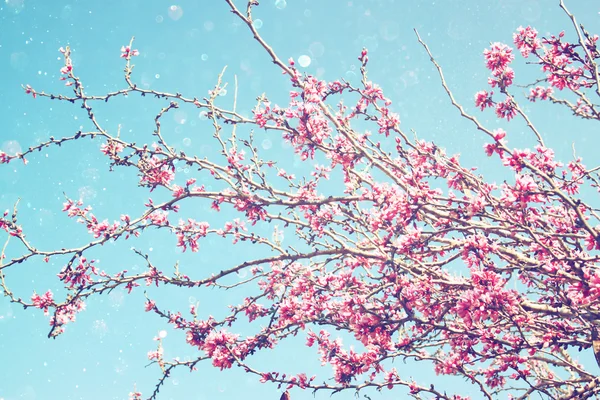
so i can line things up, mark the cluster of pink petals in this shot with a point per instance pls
(111, 148)
(189, 232)
(135, 396)
(127, 52)
(156, 172)
(65, 314)
(390, 284)
(79, 273)
(526, 40)
(44, 301)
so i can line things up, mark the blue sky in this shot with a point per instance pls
(184, 45)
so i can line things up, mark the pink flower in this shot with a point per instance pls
(29, 90)
(130, 285)
(498, 56)
(539, 92)
(149, 305)
(526, 40)
(363, 56)
(502, 78)
(499, 134)
(44, 301)
(156, 354)
(592, 243)
(506, 109)
(111, 148)
(135, 396)
(66, 314)
(101, 229)
(78, 274)
(189, 233)
(156, 172)
(217, 346)
(387, 121)
(126, 52)
(483, 99)
(158, 218)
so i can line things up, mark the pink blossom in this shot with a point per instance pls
(111, 148)
(483, 99)
(218, 346)
(156, 354)
(387, 121)
(135, 396)
(126, 52)
(66, 314)
(78, 274)
(539, 92)
(188, 233)
(156, 172)
(29, 90)
(406, 250)
(101, 229)
(498, 56)
(592, 243)
(44, 301)
(149, 305)
(502, 78)
(506, 109)
(526, 40)
(158, 218)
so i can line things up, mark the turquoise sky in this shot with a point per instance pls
(184, 45)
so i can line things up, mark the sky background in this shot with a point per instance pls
(184, 45)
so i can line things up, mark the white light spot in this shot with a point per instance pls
(11, 147)
(175, 12)
(304, 61)
(389, 31)
(316, 49)
(267, 144)
(16, 5)
(180, 117)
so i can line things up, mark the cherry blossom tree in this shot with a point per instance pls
(415, 258)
